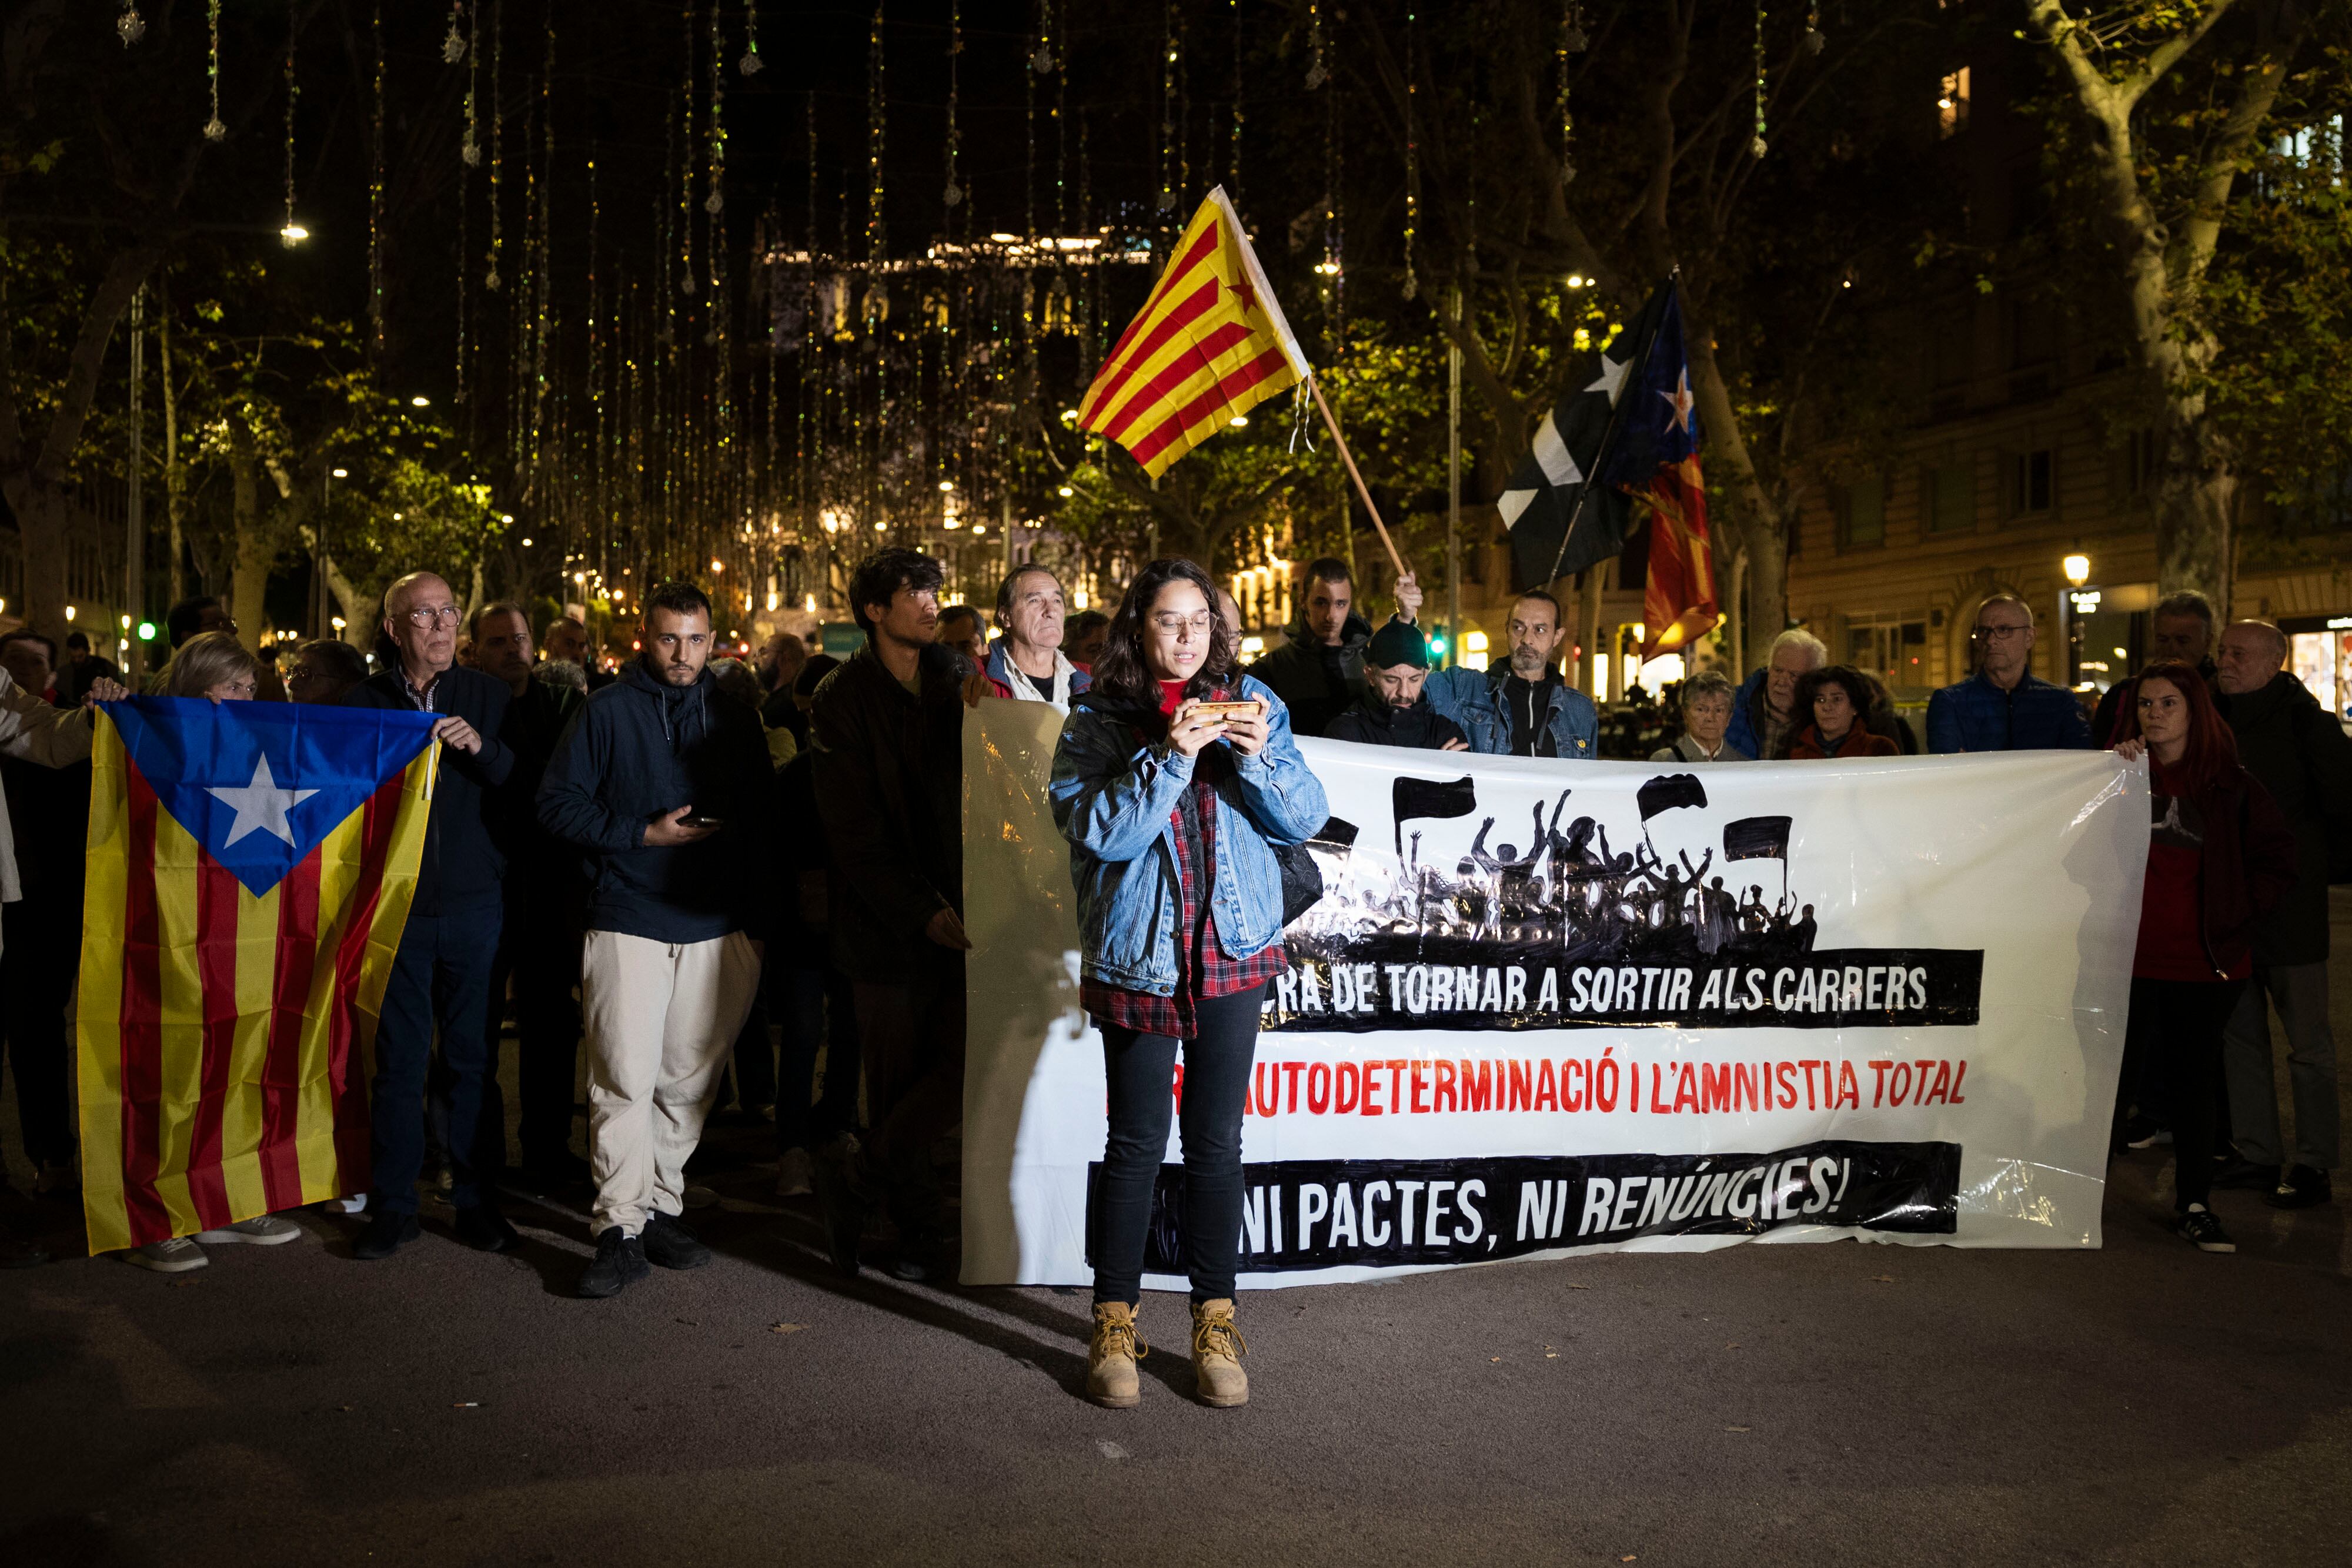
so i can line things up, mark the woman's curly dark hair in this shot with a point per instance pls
(1846, 678)
(1122, 672)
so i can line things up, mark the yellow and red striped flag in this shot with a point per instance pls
(250, 868)
(1209, 345)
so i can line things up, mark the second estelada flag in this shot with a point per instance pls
(250, 870)
(1209, 345)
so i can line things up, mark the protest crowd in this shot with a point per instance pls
(692, 877)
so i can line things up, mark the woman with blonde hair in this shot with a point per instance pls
(211, 665)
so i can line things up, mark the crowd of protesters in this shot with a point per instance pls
(695, 875)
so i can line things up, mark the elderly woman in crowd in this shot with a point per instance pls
(1707, 700)
(1832, 703)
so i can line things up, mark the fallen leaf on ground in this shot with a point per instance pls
(1551, 1356)
(1587, 1288)
(1110, 1450)
(1627, 1558)
(786, 1328)
(1882, 1278)
(466, 1404)
(1732, 1345)
(1739, 1428)
(1494, 1358)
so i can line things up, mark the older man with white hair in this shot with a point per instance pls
(442, 972)
(1765, 709)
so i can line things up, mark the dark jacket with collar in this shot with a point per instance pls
(890, 787)
(639, 749)
(2301, 755)
(1373, 722)
(1296, 673)
(466, 835)
(1975, 714)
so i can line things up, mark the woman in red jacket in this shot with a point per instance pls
(1835, 700)
(2218, 855)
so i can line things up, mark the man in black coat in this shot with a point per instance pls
(442, 973)
(1393, 711)
(2302, 756)
(1319, 673)
(887, 729)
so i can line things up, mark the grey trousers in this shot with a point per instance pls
(2300, 992)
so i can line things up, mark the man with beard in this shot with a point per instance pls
(1319, 673)
(1525, 708)
(1395, 711)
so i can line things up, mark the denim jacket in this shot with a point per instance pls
(1474, 699)
(1113, 793)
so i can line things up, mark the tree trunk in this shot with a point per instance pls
(250, 574)
(2195, 496)
(1756, 527)
(43, 515)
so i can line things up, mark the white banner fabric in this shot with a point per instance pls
(1547, 1006)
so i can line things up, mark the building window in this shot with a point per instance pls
(1952, 103)
(1892, 647)
(1951, 498)
(1862, 513)
(2138, 459)
(2029, 483)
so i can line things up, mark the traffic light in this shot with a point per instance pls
(1438, 643)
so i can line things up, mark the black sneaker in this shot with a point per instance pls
(2201, 1228)
(844, 1215)
(620, 1259)
(667, 1241)
(2301, 1187)
(385, 1234)
(2244, 1176)
(484, 1229)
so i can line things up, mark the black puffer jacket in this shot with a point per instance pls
(889, 785)
(1372, 722)
(639, 749)
(2302, 758)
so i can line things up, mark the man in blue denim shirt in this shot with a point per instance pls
(2003, 707)
(1523, 709)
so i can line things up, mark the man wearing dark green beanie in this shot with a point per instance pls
(1394, 711)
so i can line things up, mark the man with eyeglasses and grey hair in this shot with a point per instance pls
(442, 973)
(2004, 706)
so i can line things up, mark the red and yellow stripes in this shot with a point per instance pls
(223, 1038)
(1678, 601)
(1209, 344)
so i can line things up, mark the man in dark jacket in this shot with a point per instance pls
(540, 944)
(2302, 756)
(2182, 626)
(887, 728)
(663, 787)
(1319, 673)
(2004, 706)
(1395, 712)
(442, 973)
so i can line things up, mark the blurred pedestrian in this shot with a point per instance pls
(2182, 627)
(82, 670)
(1083, 635)
(961, 628)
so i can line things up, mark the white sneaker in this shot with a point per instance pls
(262, 1230)
(176, 1256)
(355, 1204)
(794, 1174)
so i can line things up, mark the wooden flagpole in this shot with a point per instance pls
(1362, 489)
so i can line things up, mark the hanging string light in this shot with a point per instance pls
(1815, 39)
(1573, 41)
(874, 143)
(131, 23)
(953, 195)
(686, 283)
(750, 64)
(213, 128)
(498, 138)
(375, 190)
(1412, 147)
(1318, 73)
(453, 45)
(1233, 127)
(715, 201)
(293, 234)
(1167, 104)
(1759, 145)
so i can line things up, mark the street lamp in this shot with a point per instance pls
(2077, 569)
(2071, 605)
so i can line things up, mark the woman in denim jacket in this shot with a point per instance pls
(1172, 816)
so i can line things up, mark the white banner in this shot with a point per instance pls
(1549, 1007)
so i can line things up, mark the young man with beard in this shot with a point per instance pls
(1395, 711)
(1524, 708)
(1319, 673)
(661, 788)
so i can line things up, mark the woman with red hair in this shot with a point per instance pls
(2218, 855)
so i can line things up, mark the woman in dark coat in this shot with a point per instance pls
(1833, 703)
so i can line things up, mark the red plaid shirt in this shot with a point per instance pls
(1202, 967)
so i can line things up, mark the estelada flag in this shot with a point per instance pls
(1654, 458)
(250, 868)
(1209, 345)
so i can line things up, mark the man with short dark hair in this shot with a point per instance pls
(82, 670)
(663, 787)
(1395, 710)
(2182, 626)
(888, 728)
(441, 974)
(1522, 707)
(2300, 754)
(961, 628)
(1319, 673)
(1027, 664)
(1083, 637)
(2004, 706)
(202, 613)
(325, 670)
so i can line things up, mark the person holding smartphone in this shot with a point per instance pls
(1175, 780)
(657, 784)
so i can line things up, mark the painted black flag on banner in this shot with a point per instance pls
(1544, 493)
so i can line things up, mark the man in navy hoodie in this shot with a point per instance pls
(663, 787)
(442, 973)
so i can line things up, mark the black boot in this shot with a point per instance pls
(834, 1178)
(484, 1229)
(619, 1261)
(387, 1234)
(668, 1242)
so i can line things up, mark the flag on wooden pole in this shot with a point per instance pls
(250, 870)
(1209, 345)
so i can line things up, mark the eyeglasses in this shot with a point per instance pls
(434, 616)
(1177, 625)
(2000, 634)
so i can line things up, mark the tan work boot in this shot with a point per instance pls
(1217, 1351)
(1111, 1357)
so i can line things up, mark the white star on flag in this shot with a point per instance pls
(1612, 379)
(1680, 401)
(261, 806)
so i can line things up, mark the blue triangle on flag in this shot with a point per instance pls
(259, 784)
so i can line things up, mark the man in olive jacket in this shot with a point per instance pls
(2302, 756)
(886, 728)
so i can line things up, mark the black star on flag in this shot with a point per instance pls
(1560, 520)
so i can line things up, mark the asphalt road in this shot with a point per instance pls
(2141, 1405)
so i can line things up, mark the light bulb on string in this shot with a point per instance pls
(213, 128)
(131, 23)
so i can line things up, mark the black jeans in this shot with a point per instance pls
(911, 1040)
(441, 975)
(817, 1008)
(1142, 1068)
(540, 951)
(2173, 1048)
(40, 952)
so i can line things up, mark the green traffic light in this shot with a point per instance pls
(146, 630)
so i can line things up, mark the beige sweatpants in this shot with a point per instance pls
(661, 1018)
